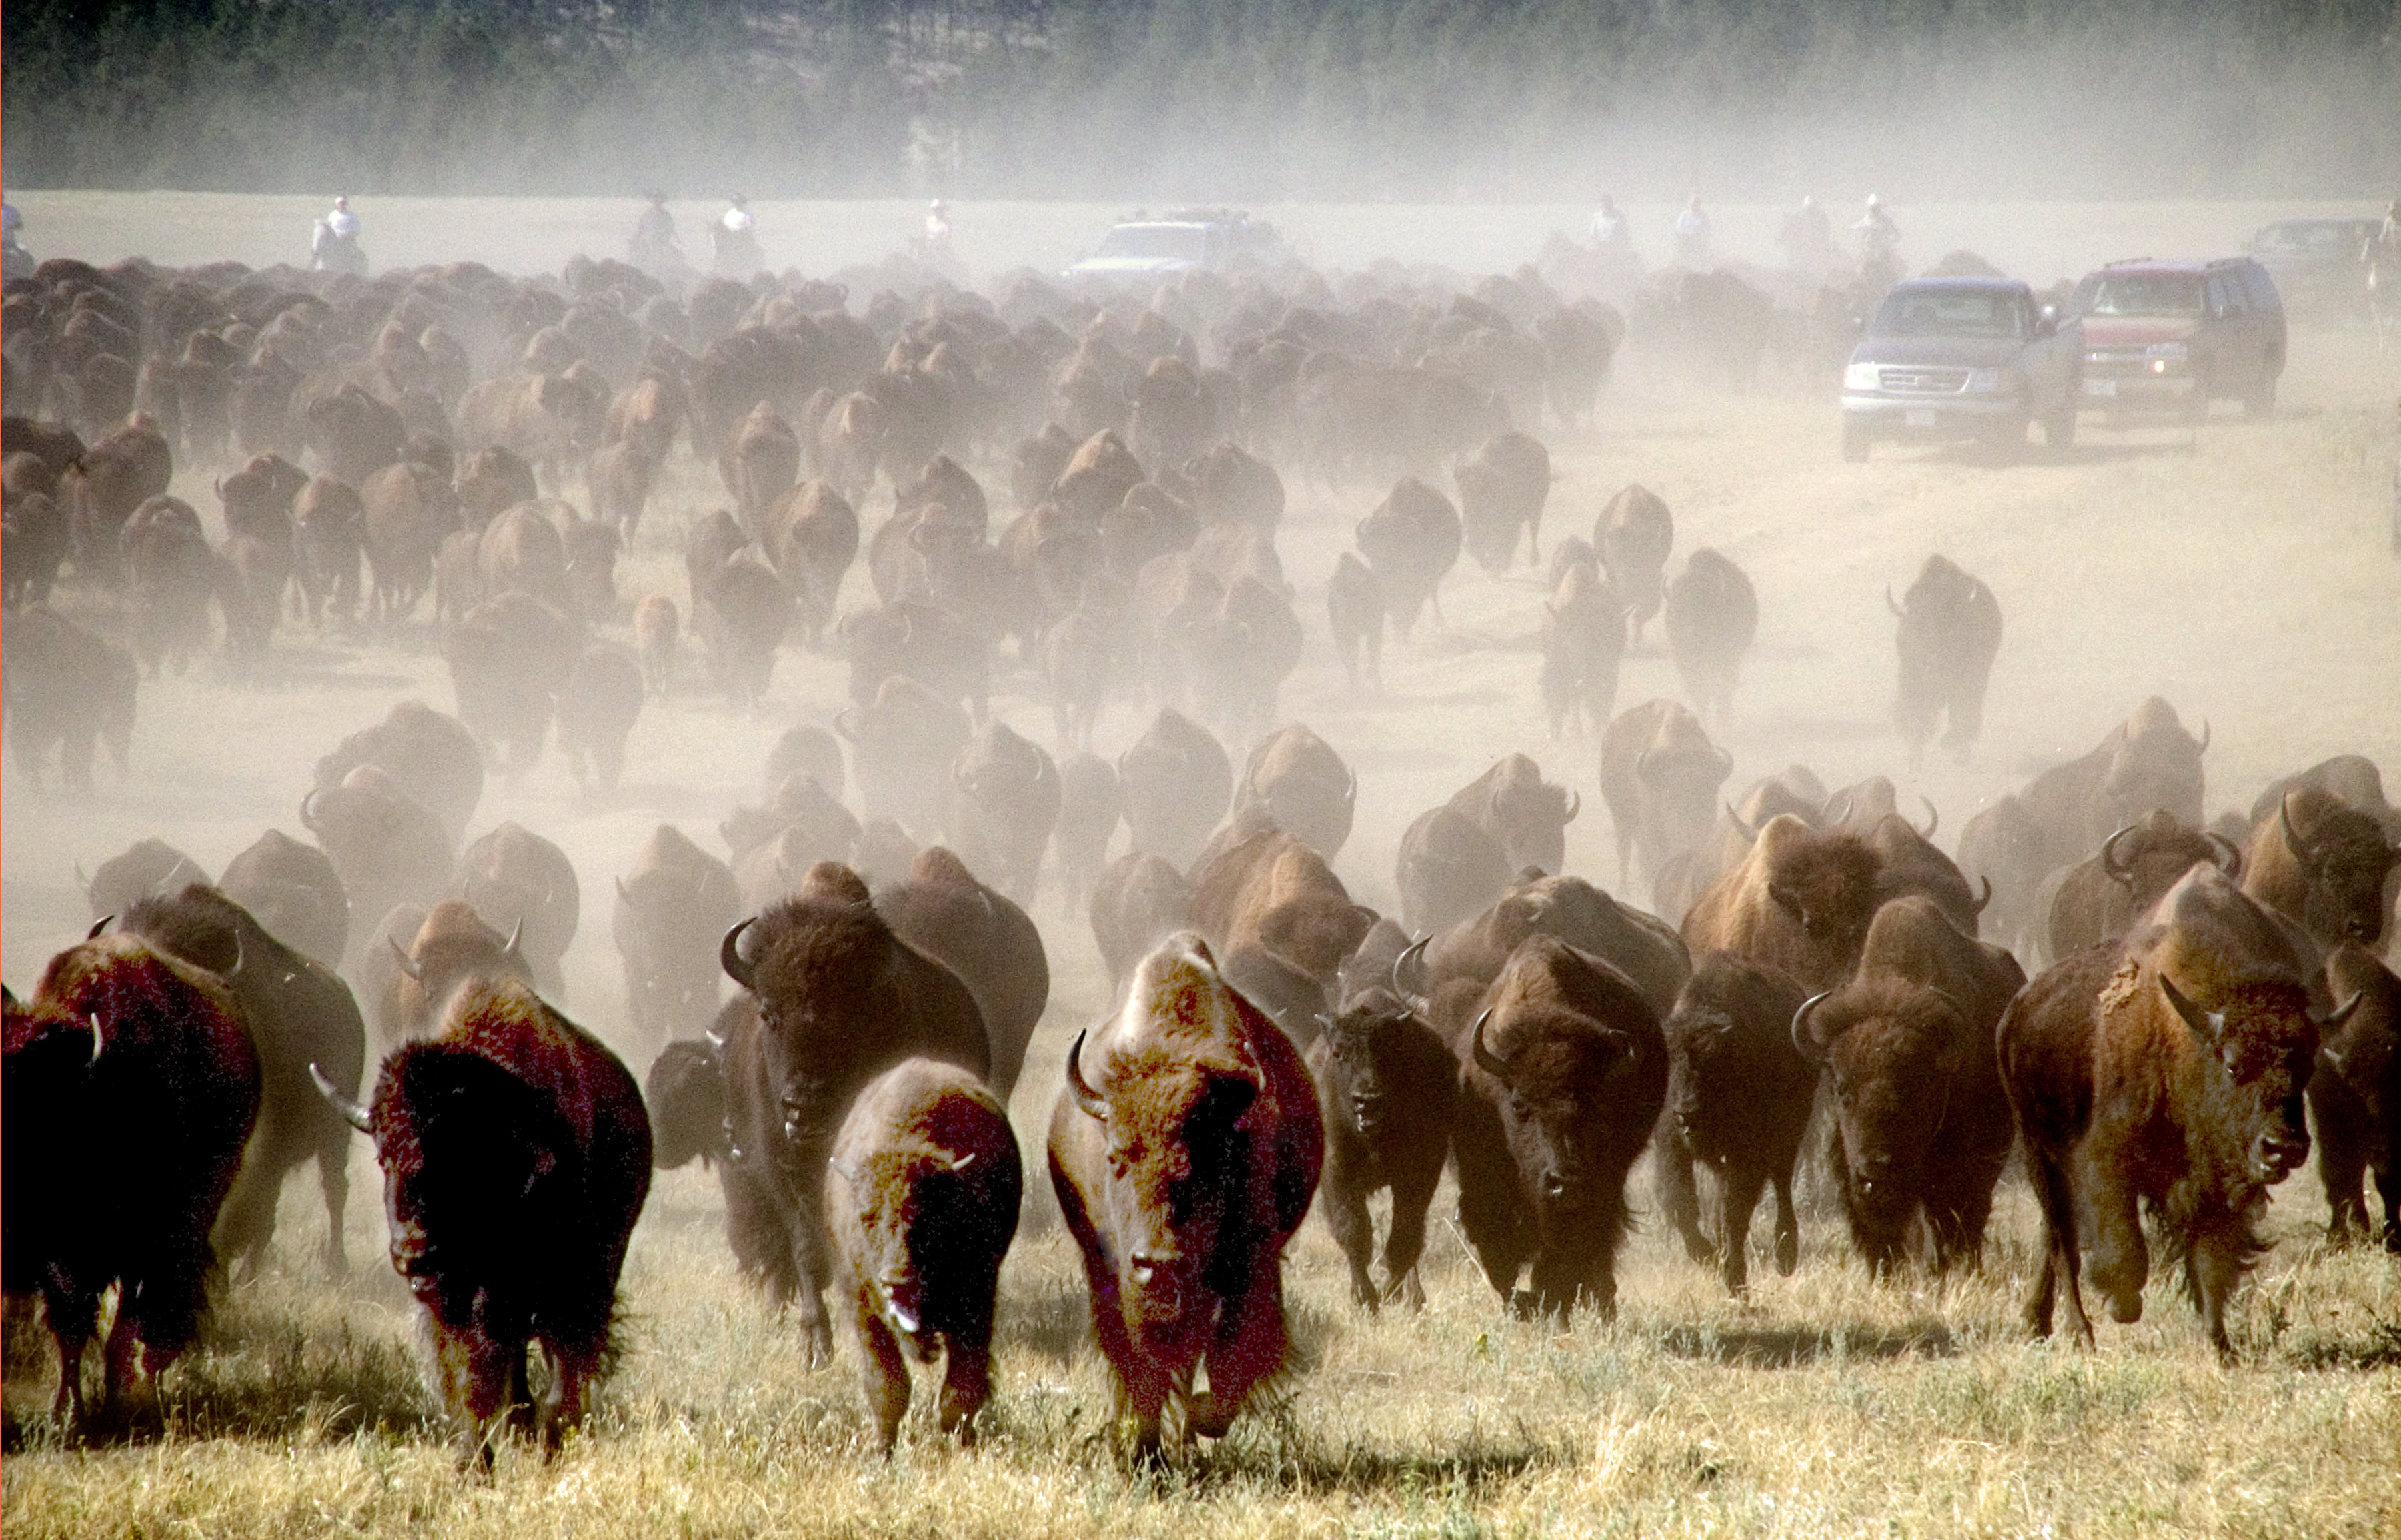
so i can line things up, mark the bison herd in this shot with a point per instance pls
(1818, 992)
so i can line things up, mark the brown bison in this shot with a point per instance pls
(145, 869)
(902, 747)
(448, 944)
(1660, 774)
(1177, 781)
(1738, 1101)
(516, 1156)
(1501, 489)
(1632, 536)
(2321, 864)
(1527, 814)
(1386, 1089)
(1138, 902)
(2165, 1073)
(1449, 869)
(922, 1194)
(1950, 633)
(299, 1013)
(2099, 898)
(68, 690)
(1458, 964)
(1563, 1072)
(1712, 618)
(123, 1038)
(385, 845)
(598, 708)
(1410, 540)
(1004, 805)
(670, 910)
(1302, 784)
(1271, 890)
(431, 756)
(292, 890)
(1184, 1150)
(1921, 1128)
(1583, 643)
(2355, 1096)
(1799, 905)
(522, 881)
(1354, 611)
(841, 999)
(985, 939)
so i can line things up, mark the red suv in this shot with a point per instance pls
(2173, 337)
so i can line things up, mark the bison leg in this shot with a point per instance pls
(1404, 1243)
(334, 1181)
(2061, 1264)
(1250, 1346)
(1788, 1227)
(2342, 1162)
(966, 1381)
(1739, 1196)
(1681, 1198)
(1345, 1208)
(2119, 1260)
(2214, 1265)
(75, 1315)
(476, 1376)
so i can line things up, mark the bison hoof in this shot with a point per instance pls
(1787, 1254)
(2126, 1309)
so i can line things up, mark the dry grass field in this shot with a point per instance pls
(2244, 571)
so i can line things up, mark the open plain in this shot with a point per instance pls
(2246, 571)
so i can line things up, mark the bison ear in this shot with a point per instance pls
(2210, 1024)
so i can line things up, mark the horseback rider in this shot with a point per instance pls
(737, 239)
(333, 245)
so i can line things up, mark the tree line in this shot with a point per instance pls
(1244, 99)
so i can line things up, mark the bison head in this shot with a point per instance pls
(2152, 761)
(2342, 858)
(1557, 1073)
(818, 965)
(685, 1093)
(1365, 1059)
(1891, 1050)
(1827, 884)
(468, 1151)
(2263, 1039)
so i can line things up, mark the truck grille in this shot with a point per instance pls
(1923, 381)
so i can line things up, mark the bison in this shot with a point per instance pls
(121, 1037)
(1177, 781)
(1501, 489)
(523, 881)
(1660, 774)
(1304, 786)
(2321, 864)
(1712, 618)
(516, 1156)
(1563, 1072)
(1632, 537)
(2355, 1096)
(65, 689)
(922, 1194)
(1410, 540)
(1950, 633)
(1184, 1158)
(385, 845)
(984, 938)
(431, 756)
(1386, 1090)
(2100, 897)
(670, 910)
(1138, 902)
(1799, 905)
(841, 998)
(1449, 869)
(1004, 802)
(292, 890)
(2165, 1072)
(1527, 814)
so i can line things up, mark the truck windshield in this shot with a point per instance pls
(2148, 294)
(1955, 312)
(1170, 242)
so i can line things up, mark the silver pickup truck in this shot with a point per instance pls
(1945, 359)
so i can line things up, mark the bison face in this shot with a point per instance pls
(889, 1199)
(685, 1093)
(1890, 1081)
(2262, 1044)
(2342, 860)
(468, 1151)
(1558, 1083)
(1357, 1046)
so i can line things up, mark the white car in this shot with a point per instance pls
(1211, 241)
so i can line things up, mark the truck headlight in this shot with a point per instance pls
(1862, 377)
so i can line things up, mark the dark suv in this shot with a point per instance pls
(2173, 337)
(1959, 358)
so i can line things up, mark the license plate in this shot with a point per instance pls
(2100, 387)
(1920, 417)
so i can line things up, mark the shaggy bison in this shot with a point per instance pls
(1386, 1087)
(1184, 1157)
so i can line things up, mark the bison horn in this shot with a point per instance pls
(2211, 1024)
(1933, 817)
(235, 971)
(1985, 901)
(963, 1162)
(307, 819)
(97, 927)
(1749, 832)
(99, 1039)
(1086, 1097)
(842, 1170)
(2202, 746)
(1350, 787)
(352, 1113)
(1805, 1043)
(1399, 965)
(729, 956)
(407, 963)
(2229, 859)
(1576, 805)
(2111, 867)
(1486, 1060)
(2341, 1013)
(2303, 850)
(623, 896)
(1837, 808)
(517, 931)
(1890, 605)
